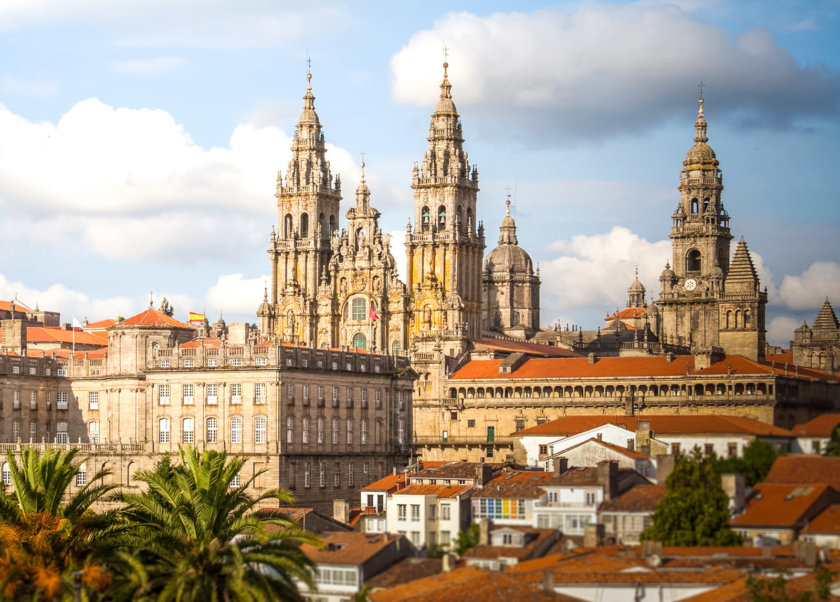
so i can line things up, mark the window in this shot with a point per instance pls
(236, 393)
(6, 474)
(543, 450)
(692, 261)
(81, 476)
(415, 512)
(320, 439)
(61, 372)
(164, 424)
(290, 430)
(61, 432)
(32, 370)
(306, 395)
(61, 400)
(189, 398)
(304, 431)
(359, 341)
(33, 400)
(164, 363)
(364, 398)
(520, 425)
(335, 431)
(290, 394)
(708, 449)
(732, 450)
(93, 431)
(234, 482)
(350, 474)
(589, 498)
(213, 362)
(307, 476)
(236, 362)
(364, 429)
(378, 399)
(415, 538)
(401, 431)
(357, 312)
(399, 400)
(432, 511)
(401, 511)
(261, 361)
(163, 394)
(188, 430)
(212, 429)
(349, 431)
(445, 512)
(259, 429)
(335, 397)
(322, 474)
(93, 400)
(259, 393)
(675, 449)
(212, 394)
(365, 472)
(471, 423)
(337, 475)
(236, 429)
(16, 430)
(189, 363)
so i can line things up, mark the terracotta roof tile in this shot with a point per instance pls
(6, 306)
(641, 498)
(536, 539)
(201, 343)
(827, 521)
(438, 490)
(523, 347)
(349, 547)
(805, 469)
(821, 426)
(54, 334)
(387, 483)
(101, 324)
(154, 319)
(660, 424)
(407, 569)
(783, 505)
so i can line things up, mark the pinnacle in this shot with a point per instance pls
(826, 319)
(742, 269)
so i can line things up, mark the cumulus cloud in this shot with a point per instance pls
(154, 66)
(606, 69)
(236, 294)
(808, 290)
(780, 330)
(589, 272)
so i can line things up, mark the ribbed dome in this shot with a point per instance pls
(445, 104)
(701, 154)
(636, 287)
(507, 257)
(667, 273)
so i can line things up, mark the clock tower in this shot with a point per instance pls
(699, 297)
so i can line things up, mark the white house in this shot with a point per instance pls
(429, 514)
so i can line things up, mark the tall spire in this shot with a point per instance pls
(507, 231)
(742, 276)
(826, 319)
(700, 124)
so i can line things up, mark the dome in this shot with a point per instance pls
(700, 153)
(445, 104)
(508, 257)
(637, 286)
(309, 115)
(667, 273)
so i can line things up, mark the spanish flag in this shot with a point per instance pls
(194, 317)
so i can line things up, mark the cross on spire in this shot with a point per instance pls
(700, 89)
(308, 64)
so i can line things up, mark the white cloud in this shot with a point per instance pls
(154, 66)
(607, 69)
(780, 330)
(810, 289)
(235, 294)
(594, 271)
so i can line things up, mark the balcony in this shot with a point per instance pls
(455, 440)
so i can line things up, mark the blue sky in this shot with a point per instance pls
(139, 142)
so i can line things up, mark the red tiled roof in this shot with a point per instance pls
(102, 352)
(821, 426)
(780, 505)
(523, 347)
(438, 490)
(7, 305)
(535, 539)
(785, 357)
(641, 498)
(406, 570)
(804, 469)
(201, 343)
(611, 446)
(659, 424)
(827, 521)
(579, 367)
(630, 312)
(154, 319)
(101, 325)
(348, 547)
(387, 483)
(522, 476)
(54, 334)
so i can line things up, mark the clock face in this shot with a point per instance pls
(690, 284)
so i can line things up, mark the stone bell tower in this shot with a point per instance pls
(307, 216)
(445, 247)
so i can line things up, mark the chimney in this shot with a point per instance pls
(448, 562)
(643, 437)
(593, 358)
(484, 527)
(561, 465)
(806, 551)
(649, 548)
(734, 486)
(607, 471)
(664, 468)
(593, 535)
(341, 511)
(548, 583)
(483, 473)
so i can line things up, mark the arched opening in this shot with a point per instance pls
(694, 205)
(705, 205)
(459, 213)
(321, 222)
(692, 261)
(395, 347)
(360, 238)
(304, 225)
(729, 322)
(359, 341)
(425, 217)
(441, 217)
(358, 307)
(747, 319)
(288, 226)
(333, 229)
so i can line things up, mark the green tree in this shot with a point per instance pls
(48, 531)
(754, 464)
(695, 510)
(776, 589)
(468, 539)
(199, 538)
(834, 443)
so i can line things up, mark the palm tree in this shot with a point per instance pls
(47, 534)
(198, 536)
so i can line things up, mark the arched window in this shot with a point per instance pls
(93, 432)
(395, 347)
(746, 319)
(738, 322)
(441, 217)
(6, 474)
(358, 307)
(287, 226)
(359, 341)
(324, 232)
(81, 476)
(729, 322)
(705, 205)
(692, 261)
(460, 213)
(212, 430)
(425, 216)
(304, 225)
(694, 205)
(332, 225)
(188, 430)
(164, 424)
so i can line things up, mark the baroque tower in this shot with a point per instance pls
(703, 302)
(445, 248)
(307, 208)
